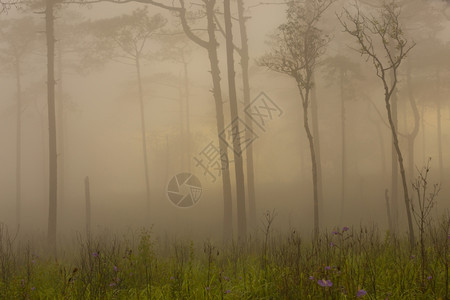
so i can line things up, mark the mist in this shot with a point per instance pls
(99, 129)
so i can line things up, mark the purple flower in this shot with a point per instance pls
(334, 232)
(115, 268)
(95, 254)
(361, 293)
(207, 288)
(429, 277)
(227, 292)
(327, 268)
(226, 278)
(331, 244)
(172, 278)
(324, 283)
(413, 256)
(112, 284)
(345, 229)
(311, 278)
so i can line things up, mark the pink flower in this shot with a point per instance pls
(324, 283)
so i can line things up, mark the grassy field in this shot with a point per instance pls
(345, 263)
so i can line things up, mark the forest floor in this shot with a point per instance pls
(346, 263)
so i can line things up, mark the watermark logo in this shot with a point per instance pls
(263, 110)
(212, 161)
(184, 190)
(238, 136)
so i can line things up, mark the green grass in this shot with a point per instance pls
(273, 267)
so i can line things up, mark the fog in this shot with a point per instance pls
(99, 131)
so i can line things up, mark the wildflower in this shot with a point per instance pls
(413, 256)
(361, 293)
(311, 278)
(331, 244)
(327, 268)
(172, 278)
(112, 284)
(334, 232)
(429, 277)
(227, 292)
(345, 229)
(115, 268)
(226, 278)
(207, 288)
(33, 288)
(324, 283)
(95, 254)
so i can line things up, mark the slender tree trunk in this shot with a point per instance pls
(238, 162)
(424, 140)
(52, 216)
(143, 132)
(87, 196)
(18, 144)
(439, 124)
(388, 209)
(343, 145)
(394, 168)
(187, 113)
(184, 158)
(244, 54)
(439, 134)
(402, 171)
(217, 92)
(315, 130)
(384, 173)
(60, 131)
(415, 131)
(305, 103)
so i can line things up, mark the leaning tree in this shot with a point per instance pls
(381, 39)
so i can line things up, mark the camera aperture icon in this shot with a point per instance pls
(184, 190)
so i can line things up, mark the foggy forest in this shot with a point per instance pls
(212, 149)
